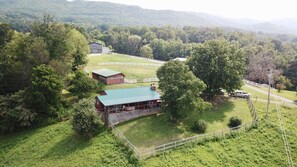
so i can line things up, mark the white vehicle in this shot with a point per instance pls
(240, 93)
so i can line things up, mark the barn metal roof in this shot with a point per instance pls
(106, 72)
(130, 95)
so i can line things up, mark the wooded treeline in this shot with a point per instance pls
(35, 67)
(262, 52)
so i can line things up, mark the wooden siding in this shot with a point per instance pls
(115, 79)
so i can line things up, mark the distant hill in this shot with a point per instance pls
(97, 13)
(88, 12)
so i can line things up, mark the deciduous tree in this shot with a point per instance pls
(82, 85)
(146, 51)
(180, 90)
(86, 122)
(43, 96)
(219, 64)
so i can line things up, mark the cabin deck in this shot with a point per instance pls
(116, 118)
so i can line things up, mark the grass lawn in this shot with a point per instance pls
(114, 57)
(218, 117)
(156, 130)
(260, 147)
(292, 95)
(257, 94)
(126, 85)
(130, 71)
(55, 145)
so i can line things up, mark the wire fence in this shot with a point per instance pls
(124, 139)
(255, 83)
(197, 138)
(131, 64)
(141, 80)
(143, 58)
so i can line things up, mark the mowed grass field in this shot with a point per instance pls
(156, 130)
(56, 145)
(292, 95)
(133, 68)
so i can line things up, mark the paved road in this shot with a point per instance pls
(282, 99)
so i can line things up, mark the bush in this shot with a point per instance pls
(200, 126)
(234, 121)
(86, 122)
(13, 113)
(82, 85)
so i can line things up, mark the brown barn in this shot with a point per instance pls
(108, 76)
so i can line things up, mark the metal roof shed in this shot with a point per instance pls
(106, 72)
(130, 95)
(108, 76)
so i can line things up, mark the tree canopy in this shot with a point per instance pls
(43, 96)
(180, 90)
(86, 122)
(82, 85)
(219, 64)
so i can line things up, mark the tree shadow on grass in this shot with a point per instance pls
(152, 131)
(216, 114)
(66, 146)
(157, 130)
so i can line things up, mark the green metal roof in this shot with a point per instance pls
(131, 95)
(106, 72)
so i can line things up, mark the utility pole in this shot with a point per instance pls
(269, 83)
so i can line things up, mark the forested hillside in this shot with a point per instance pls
(90, 13)
(94, 13)
(261, 52)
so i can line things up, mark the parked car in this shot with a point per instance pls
(240, 93)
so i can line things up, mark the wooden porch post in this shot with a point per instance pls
(106, 116)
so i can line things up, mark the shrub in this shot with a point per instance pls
(82, 85)
(13, 113)
(86, 122)
(234, 121)
(200, 126)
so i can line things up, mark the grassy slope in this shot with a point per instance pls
(55, 145)
(115, 57)
(127, 85)
(259, 147)
(292, 95)
(131, 71)
(257, 94)
(154, 131)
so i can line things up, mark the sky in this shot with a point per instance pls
(253, 9)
